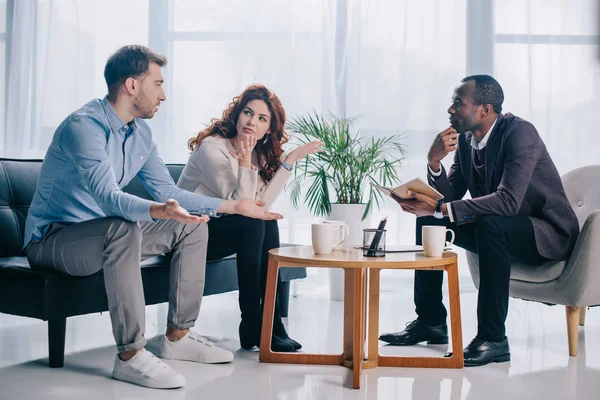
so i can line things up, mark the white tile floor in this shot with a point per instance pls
(540, 366)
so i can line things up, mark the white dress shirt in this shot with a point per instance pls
(477, 145)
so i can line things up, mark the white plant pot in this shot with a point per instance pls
(351, 214)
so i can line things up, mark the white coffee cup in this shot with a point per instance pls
(434, 240)
(323, 238)
(343, 234)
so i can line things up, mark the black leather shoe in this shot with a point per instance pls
(250, 337)
(417, 332)
(279, 330)
(280, 345)
(482, 352)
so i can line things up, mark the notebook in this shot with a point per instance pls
(417, 185)
(273, 190)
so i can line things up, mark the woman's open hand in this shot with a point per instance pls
(302, 151)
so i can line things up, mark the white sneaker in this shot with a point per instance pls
(145, 369)
(193, 347)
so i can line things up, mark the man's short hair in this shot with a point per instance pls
(487, 91)
(129, 62)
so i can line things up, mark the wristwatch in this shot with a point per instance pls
(286, 166)
(438, 210)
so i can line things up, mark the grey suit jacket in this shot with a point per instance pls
(521, 179)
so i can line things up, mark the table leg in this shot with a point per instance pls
(457, 358)
(364, 311)
(349, 274)
(358, 345)
(268, 312)
(373, 334)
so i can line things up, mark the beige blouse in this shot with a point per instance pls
(212, 171)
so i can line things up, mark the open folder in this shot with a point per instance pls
(403, 248)
(273, 190)
(417, 185)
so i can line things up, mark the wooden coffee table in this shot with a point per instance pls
(361, 304)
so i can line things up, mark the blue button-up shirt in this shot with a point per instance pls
(93, 155)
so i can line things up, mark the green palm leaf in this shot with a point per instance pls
(348, 164)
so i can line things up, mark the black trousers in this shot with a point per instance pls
(497, 240)
(251, 239)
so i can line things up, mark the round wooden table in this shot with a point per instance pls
(361, 302)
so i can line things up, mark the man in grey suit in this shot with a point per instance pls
(518, 211)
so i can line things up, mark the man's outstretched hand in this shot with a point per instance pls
(254, 209)
(172, 210)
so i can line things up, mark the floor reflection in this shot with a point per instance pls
(540, 366)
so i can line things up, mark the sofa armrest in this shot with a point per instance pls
(578, 282)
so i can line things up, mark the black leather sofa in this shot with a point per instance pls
(54, 297)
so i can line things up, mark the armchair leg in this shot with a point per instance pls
(572, 328)
(582, 315)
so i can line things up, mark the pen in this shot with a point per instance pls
(376, 238)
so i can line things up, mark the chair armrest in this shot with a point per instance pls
(578, 282)
(473, 263)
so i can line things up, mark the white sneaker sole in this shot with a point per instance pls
(210, 360)
(173, 383)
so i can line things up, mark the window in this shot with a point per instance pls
(553, 77)
(222, 47)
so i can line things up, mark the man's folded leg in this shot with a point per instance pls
(114, 245)
(188, 244)
(500, 240)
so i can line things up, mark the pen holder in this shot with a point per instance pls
(374, 242)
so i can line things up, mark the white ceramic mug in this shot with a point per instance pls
(434, 240)
(323, 238)
(342, 235)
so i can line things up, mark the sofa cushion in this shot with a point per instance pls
(18, 180)
(21, 264)
(15, 262)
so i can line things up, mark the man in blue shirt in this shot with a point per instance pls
(80, 221)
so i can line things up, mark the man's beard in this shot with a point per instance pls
(140, 110)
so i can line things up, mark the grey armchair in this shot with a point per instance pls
(574, 283)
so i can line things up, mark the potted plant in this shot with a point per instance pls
(345, 169)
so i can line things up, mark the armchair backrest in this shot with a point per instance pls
(582, 186)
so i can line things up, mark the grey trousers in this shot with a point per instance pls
(117, 246)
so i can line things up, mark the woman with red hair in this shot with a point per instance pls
(240, 156)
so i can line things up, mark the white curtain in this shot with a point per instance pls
(21, 86)
(393, 64)
(403, 61)
(57, 53)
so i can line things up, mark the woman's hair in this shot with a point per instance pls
(269, 151)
